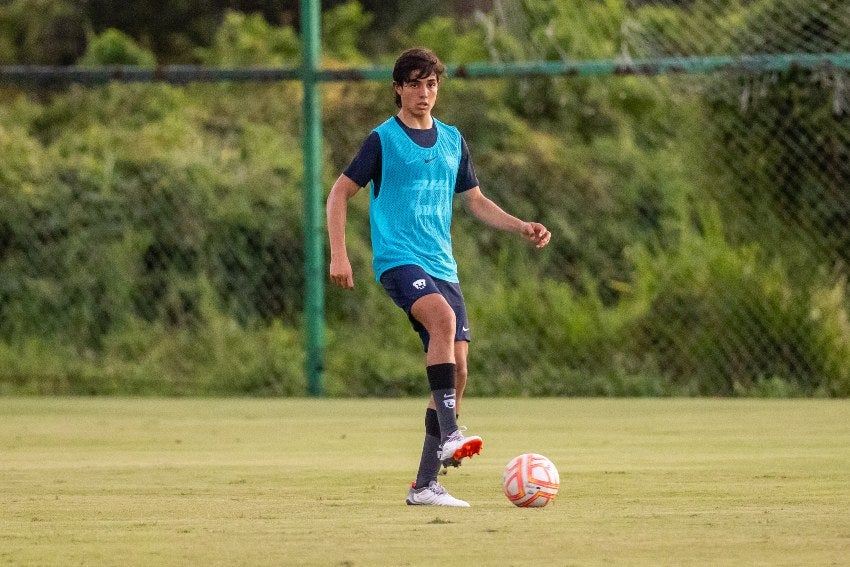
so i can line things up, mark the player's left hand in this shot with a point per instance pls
(537, 233)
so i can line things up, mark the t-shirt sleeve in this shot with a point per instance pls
(466, 178)
(366, 165)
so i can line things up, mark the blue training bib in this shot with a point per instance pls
(412, 215)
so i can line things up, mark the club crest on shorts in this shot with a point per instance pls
(419, 284)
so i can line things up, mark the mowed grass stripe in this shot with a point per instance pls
(322, 482)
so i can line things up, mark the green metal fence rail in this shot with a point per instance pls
(41, 76)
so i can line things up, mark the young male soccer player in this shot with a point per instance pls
(416, 165)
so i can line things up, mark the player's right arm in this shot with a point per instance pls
(336, 210)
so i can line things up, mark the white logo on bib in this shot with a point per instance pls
(419, 284)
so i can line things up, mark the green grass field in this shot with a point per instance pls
(322, 482)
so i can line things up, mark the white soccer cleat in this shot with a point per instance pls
(433, 495)
(458, 447)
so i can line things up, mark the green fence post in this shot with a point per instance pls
(314, 308)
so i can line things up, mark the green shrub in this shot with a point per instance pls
(719, 319)
(114, 47)
(249, 41)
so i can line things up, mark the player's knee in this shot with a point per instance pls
(460, 376)
(436, 316)
(443, 324)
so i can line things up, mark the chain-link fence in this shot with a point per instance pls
(708, 248)
(151, 239)
(773, 155)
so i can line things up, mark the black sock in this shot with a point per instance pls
(441, 378)
(429, 464)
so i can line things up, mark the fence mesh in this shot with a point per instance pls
(743, 289)
(772, 150)
(151, 240)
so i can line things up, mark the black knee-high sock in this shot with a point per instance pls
(441, 378)
(429, 464)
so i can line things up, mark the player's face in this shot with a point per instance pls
(418, 94)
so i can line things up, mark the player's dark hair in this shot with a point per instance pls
(414, 64)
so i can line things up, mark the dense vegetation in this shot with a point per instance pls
(151, 238)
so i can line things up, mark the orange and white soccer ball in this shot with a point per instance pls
(531, 480)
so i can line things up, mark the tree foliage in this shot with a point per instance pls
(151, 238)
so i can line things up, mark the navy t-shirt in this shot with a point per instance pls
(366, 165)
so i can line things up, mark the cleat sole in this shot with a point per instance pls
(468, 449)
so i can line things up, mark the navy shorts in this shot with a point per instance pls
(405, 284)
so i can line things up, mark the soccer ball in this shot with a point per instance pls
(531, 480)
